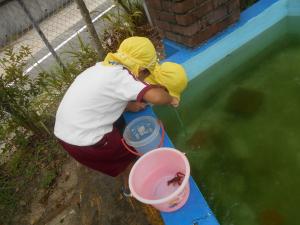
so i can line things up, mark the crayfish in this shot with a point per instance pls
(177, 179)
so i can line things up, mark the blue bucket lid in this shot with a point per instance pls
(141, 131)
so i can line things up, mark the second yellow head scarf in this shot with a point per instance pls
(170, 75)
(134, 53)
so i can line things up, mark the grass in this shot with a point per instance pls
(34, 166)
(48, 178)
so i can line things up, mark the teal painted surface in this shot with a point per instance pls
(293, 8)
(234, 40)
(242, 121)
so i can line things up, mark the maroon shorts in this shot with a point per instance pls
(108, 156)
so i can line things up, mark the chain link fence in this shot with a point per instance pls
(59, 20)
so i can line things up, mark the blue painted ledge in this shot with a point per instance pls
(196, 210)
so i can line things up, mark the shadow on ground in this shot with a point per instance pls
(85, 197)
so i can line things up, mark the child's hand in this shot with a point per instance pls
(175, 102)
(135, 106)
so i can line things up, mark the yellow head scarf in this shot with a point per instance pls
(134, 53)
(170, 75)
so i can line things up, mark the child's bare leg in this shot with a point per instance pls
(124, 179)
(125, 175)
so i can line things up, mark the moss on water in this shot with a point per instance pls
(270, 217)
(248, 169)
(198, 139)
(244, 102)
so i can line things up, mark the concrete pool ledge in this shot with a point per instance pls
(293, 8)
(253, 21)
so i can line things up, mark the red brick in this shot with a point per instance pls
(196, 40)
(218, 3)
(235, 15)
(155, 4)
(154, 14)
(203, 24)
(186, 30)
(167, 5)
(173, 37)
(200, 22)
(204, 9)
(217, 15)
(165, 26)
(186, 19)
(166, 16)
(154, 21)
(199, 2)
(189, 41)
(212, 30)
(184, 6)
(222, 25)
(233, 5)
(151, 12)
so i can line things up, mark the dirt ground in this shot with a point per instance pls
(85, 197)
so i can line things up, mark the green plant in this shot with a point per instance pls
(131, 7)
(8, 199)
(27, 110)
(48, 178)
(120, 25)
(15, 163)
(24, 171)
(56, 81)
(128, 20)
(17, 91)
(83, 58)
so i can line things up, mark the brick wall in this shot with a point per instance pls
(192, 22)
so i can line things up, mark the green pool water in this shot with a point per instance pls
(241, 130)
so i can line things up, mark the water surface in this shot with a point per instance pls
(242, 119)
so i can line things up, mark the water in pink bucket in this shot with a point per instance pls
(161, 178)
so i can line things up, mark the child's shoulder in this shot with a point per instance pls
(110, 67)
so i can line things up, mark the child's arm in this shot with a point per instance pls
(159, 96)
(135, 106)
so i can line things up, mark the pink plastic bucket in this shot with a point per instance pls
(152, 179)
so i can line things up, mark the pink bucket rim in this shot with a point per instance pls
(175, 193)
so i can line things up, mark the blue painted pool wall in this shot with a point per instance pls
(294, 8)
(253, 21)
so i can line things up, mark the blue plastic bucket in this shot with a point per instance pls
(143, 134)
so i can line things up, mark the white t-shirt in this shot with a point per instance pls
(94, 101)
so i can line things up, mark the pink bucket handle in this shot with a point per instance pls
(159, 145)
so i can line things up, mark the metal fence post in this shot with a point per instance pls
(41, 34)
(86, 16)
(147, 13)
